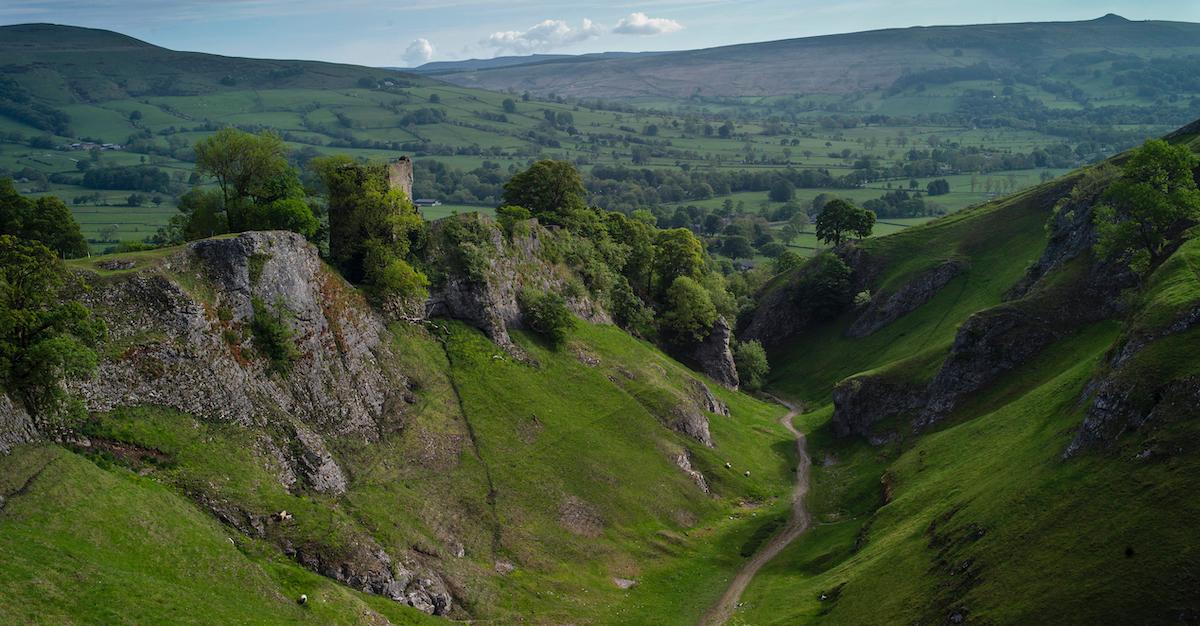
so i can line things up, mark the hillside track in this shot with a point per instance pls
(798, 522)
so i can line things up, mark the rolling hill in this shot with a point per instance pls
(861, 63)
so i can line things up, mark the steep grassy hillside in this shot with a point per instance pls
(557, 487)
(1027, 502)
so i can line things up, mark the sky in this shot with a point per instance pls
(411, 32)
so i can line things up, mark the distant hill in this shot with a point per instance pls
(470, 65)
(68, 64)
(865, 61)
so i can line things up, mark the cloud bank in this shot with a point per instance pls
(547, 35)
(639, 24)
(418, 52)
(552, 34)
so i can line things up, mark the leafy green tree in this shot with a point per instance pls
(547, 314)
(737, 247)
(44, 338)
(1155, 196)
(840, 220)
(752, 366)
(690, 312)
(677, 252)
(552, 190)
(245, 167)
(788, 261)
(46, 219)
(782, 190)
(510, 105)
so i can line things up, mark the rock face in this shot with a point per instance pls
(16, 427)
(887, 308)
(684, 462)
(862, 401)
(1121, 403)
(189, 347)
(400, 175)
(489, 301)
(714, 356)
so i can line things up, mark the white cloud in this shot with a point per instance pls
(639, 24)
(547, 35)
(418, 52)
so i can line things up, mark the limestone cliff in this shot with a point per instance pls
(181, 338)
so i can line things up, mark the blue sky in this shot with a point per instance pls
(393, 32)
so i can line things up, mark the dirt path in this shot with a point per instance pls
(797, 523)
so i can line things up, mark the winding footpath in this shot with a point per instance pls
(797, 523)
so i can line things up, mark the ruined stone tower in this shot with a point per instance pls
(400, 175)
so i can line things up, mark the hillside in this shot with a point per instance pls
(859, 63)
(457, 465)
(1005, 433)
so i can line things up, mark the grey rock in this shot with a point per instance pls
(862, 401)
(514, 264)
(714, 357)
(16, 425)
(316, 464)
(684, 462)
(707, 400)
(887, 308)
(686, 418)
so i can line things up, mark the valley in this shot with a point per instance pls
(886, 327)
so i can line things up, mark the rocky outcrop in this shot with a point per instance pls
(16, 426)
(819, 290)
(180, 337)
(714, 357)
(684, 462)
(862, 402)
(987, 345)
(707, 400)
(1120, 402)
(687, 419)
(196, 354)
(369, 569)
(487, 298)
(887, 308)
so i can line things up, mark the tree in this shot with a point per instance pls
(938, 187)
(552, 190)
(1154, 198)
(510, 105)
(46, 219)
(690, 312)
(782, 190)
(737, 247)
(752, 366)
(677, 253)
(546, 313)
(787, 262)
(44, 338)
(840, 220)
(245, 166)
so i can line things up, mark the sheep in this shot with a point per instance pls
(302, 600)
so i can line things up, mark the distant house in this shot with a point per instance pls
(424, 202)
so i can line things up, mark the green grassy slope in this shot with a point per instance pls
(561, 471)
(98, 544)
(982, 519)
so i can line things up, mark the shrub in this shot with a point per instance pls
(273, 336)
(546, 314)
(751, 361)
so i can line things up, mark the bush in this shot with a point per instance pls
(273, 336)
(751, 361)
(690, 311)
(546, 314)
